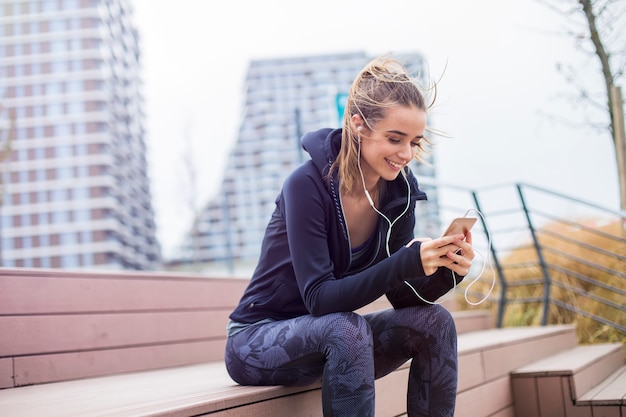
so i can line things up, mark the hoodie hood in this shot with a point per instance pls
(323, 146)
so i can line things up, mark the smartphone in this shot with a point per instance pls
(460, 225)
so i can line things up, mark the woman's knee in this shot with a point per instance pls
(349, 328)
(443, 317)
(433, 317)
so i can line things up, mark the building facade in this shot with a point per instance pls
(283, 99)
(75, 188)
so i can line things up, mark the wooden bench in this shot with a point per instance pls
(123, 343)
(60, 325)
(486, 358)
(151, 344)
(588, 380)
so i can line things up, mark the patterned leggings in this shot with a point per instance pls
(348, 351)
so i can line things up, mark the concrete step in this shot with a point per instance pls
(572, 382)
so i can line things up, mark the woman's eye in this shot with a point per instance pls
(392, 140)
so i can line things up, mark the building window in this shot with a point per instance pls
(63, 151)
(7, 222)
(88, 259)
(69, 261)
(59, 195)
(65, 173)
(68, 238)
(49, 5)
(59, 217)
(7, 243)
(45, 262)
(58, 45)
(57, 25)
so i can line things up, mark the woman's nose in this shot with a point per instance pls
(406, 152)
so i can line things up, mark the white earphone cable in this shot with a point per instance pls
(408, 204)
(369, 199)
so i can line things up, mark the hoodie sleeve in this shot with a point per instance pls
(430, 288)
(308, 220)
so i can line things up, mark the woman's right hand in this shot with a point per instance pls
(442, 251)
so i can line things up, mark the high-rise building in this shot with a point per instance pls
(283, 99)
(75, 187)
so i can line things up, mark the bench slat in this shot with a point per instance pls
(54, 293)
(609, 392)
(6, 372)
(60, 333)
(198, 390)
(76, 365)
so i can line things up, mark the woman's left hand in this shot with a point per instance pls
(453, 252)
(460, 260)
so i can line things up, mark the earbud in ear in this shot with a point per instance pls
(359, 128)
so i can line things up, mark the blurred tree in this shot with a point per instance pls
(597, 27)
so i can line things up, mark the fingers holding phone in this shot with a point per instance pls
(460, 252)
(461, 259)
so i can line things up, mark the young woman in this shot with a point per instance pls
(340, 237)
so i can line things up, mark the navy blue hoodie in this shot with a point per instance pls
(305, 255)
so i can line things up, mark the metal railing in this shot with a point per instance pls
(559, 253)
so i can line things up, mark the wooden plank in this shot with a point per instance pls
(57, 293)
(502, 359)
(472, 320)
(571, 409)
(183, 391)
(585, 365)
(612, 391)
(476, 341)
(302, 404)
(506, 412)
(571, 361)
(551, 396)
(60, 333)
(602, 411)
(391, 391)
(6, 372)
(526, 397)
(607, 358)
(485, 399)
(76, 365)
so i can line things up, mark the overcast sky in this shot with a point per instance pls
(497, 93)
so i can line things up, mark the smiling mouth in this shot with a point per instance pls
(394, 164)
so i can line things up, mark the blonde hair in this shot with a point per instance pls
(383, 83)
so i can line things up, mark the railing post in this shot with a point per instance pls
(542, 263)
(503, 284)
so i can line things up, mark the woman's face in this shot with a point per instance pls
(392, 143)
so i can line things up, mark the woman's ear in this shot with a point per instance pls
(357, 123)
